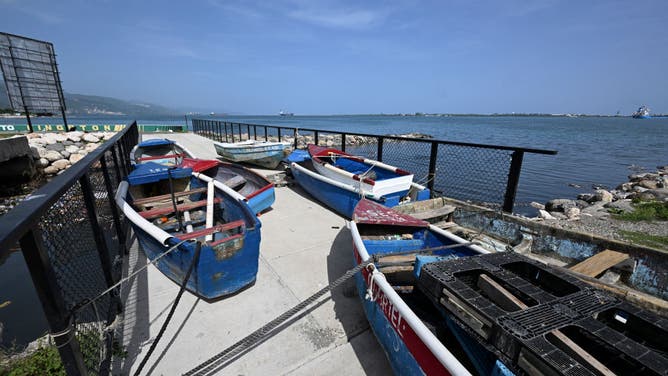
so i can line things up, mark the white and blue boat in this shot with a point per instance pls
(249, 186)
(641, 113)
(342, 191)
(405, 322)
(160, 150)
(260, 153)
(171, 205)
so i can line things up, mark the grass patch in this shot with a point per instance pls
(653, 241)
(646, 211)
(44, 361)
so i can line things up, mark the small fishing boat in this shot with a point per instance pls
(343, 196)
(160, 150)
(250, 186)
(371, 176)
(261, 153)
(642, 113)
(168, 206)
(402, 319)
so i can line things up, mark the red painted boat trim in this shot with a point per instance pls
(227, 239)
(369, 212)
(199, 165)
(365, 180)
(401, 172)
(424, 357)
(208, 231)
(265, 188)
(160, 157)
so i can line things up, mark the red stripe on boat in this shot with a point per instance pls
(401, 172)
(208, 231)
(265, 188)
(418, 349)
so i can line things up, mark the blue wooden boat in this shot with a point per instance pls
(342, 197)
(261, 153)
(159, 150)
(405, 322)
(250, 186)
(169, 205)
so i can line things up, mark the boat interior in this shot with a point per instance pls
(180, 208)
(169, 154)
(356, 166)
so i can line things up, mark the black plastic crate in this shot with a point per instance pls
(628, 339)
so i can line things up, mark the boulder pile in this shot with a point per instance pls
(598, 204)
(55, 152)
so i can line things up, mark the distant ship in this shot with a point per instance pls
(284, 113)
(642, 113)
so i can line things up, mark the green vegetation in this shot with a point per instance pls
(653, 241)
(646, 211)
(44, 361)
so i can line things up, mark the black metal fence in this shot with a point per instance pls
(484, 174)
(73, 239)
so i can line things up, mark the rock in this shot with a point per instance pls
(90, 138)
(588, 197)
(49, 138)
(74, 158)
(572, 213)
(72, 149)
(108, 135)
(35, 152)
(37, 141)
(639, 189)
(67, 143)
(626, 187)
(91, 147)
(330, 143)
(56, 147)
(51, 170)
(643, 176)
(559, 215)
(60, 164)
(559, 205)
(649, 184)
(537, 205)
(65, 153)
(60, 137)
(596, 210)
(603, 195)
(75, 136)
(581, 204)
(52, 155)
(660, 194)
(610, 276)
(620, 205)
(42, 162)
(544, 214)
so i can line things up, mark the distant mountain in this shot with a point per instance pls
(79, 104)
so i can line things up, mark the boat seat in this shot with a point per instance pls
(148, 200)
(166, 156)
(157, 212)
(211, 230)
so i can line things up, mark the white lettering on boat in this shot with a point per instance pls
(389, 310)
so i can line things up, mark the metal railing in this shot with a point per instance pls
(484, 174)
(73, 239)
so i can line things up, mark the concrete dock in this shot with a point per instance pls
(304, 247)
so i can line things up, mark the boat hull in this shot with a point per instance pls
(227, 263)
(343, 198)
(267, 155)
(162, 151)
(410, 346)
(256, 189)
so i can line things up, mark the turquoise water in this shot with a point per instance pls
(591, 150)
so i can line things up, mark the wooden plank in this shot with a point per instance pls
(153, 213)
(434, 213)
(599, 263)
(146, 200)
(498, 294)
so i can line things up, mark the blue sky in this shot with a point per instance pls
(353, 57)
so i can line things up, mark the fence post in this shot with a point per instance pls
(248, 136)
(279, 134)
(266, 133)
(380, 149)
(239, 127)
(431, 176)
(343, 142)
(53, 303)
(114, 209)
(513, 180)
(315, 137)
(295, 133)
(255, 132)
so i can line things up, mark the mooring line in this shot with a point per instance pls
(198, 248)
